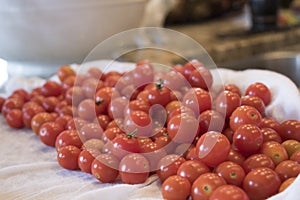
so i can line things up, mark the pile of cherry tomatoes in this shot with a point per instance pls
(202, 143)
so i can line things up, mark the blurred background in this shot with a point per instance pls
(38, 36)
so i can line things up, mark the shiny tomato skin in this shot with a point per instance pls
(248, 139)
(105, 168)
(291, 146)
(205, 185)
(139, 122)
(68, 137)
(233, 88)
(296, 156)
(51, 88)
(158, 95)
(270, 134)
(235, 157)
(285, 184)
(14, 118)
(201, 77)
(29, 112)
(192, 169)
(290, 130)
(67, 157)
(12, 103)
(211, 120)
(275, 151)
(287, 169)
(212, 148)
(231, 172)
(258, 160)
(85, 159)
(39, 119)
(175, 188)
(244, 115)
(64, 71)
(124, 144)
(49, 131)
(226, 102)
(229, 192)
(268, 122)
(260, 90)
(168, 166)
(255, 102)
(134, 168)
(261, 183)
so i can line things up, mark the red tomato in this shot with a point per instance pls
(255, 102)
(153, 153)
(233, 88)
(2, 100)
(270, 135)
(159, 94)
(211, 120)
(116, 107)
(39, 119)
(67, 157)
(139, 122)
(64, 71)
(258, 160)
(205, 185)
(244, 115)
(134, 169)
(14, 118)
(105, 168)
(49, 103)
(201, 77)
(90, 131)
(68, 137)
(51, 88)
(180, 110)
(89, 110)
(275, 151)
(74, 95)
(90, 86)
(63, 120)
(93, 144)
(29, 112)
(198, 100)
(168, 166)
(296, 156)
(49, 131)
(235, 157)
(103, 121)
(248, 139)
(287, 169)
(183, 128)
(125, 144)
(75, 123)
(229, 192)
(213, 148)
(96, 73)
(13, 103)
(260, 90)
(189, 67)
(285, 184)
(268, 122)
(261, 183)
(176, 187)
(231, 172)
(290, 130)
(227, 102)
(85, 159)
(142, 74)
(110, 133)
(192, 169)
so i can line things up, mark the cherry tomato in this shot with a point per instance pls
(275, 151)
(258, 160)
(142, 74)
(213, 148)
(49, 131)
(90, 131)
(68, 137)
(90, 86)
(174, 80)
(227, 102)
(13, 103)
(74, 95)
(255, 102)
(96, 73)
(233, 88)
(201, 77)
(139, 122)
(231, 172)
(291, 146)
(287, 169)
(290, 130)
(285, 184)
(192, 169)
(183, 128)
(134, 169)
(153, 153)
(51, 88)
(89, 110)
(103, 96)
(168, 166)
(159, 94)
(180, 110)
(261, 183)
(65, 71)
(75, 123)
(93, 144)
(63, 120)
(229, 192)
(244, 115)
(111, 133)
(103, 121)
(137, 105)
(67, 157)
(268, 122)
(105, 168)
(39, 119)
(270, 135)
(236, 157)
(85, 159)
(124, 144)
(176, 187)
(248, 139)
(205, 185)
(14, 118)
(260, 90)
(211, 120)
(296, 156)
(166, 143)
(189, 67)
(198, 100)
(2, 100)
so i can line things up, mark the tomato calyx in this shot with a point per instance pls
(159, 86)
(99, 102)
(132, 134)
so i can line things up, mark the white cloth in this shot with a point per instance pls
(29, 170)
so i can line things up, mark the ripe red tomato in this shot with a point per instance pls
(244, 115)
(39, 119)
(134, 168)
(49, 131)
(14, 118)
(68, 137)
(248, 139)
(258, 160)
(285, 184)
(90, 131)
(116, 107)
(260, 90)
(231, 172)
(110, 133)
(159, 94)
(88, 109)
(291, 146)
(205, 185)
(29, 112)
(211, 120)
(64, 71)
(168, 166)
(74, 95)
(176, 187)
(287, 169)
(2, 100)
(198, 100)
(183, 128)
(67, 157)
(213, 148)
(124, 144)
(12, 103)
(85, 159)
(192, 169)
(270, 135)
(93, 144)
(137, 105)
(227, 102)
(236, 157)
(189, 67)
(233, 88)
(201, 77)
(261, 183)
(296, 156)
(105, 168)
(290, 130)
(268, 122)
(255, 102)
(139, 122)
(229, 192)
(51, 88)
